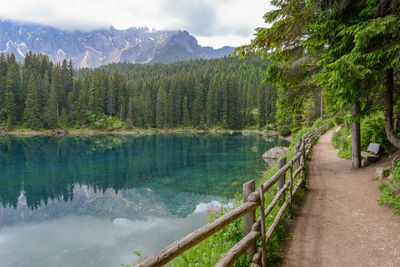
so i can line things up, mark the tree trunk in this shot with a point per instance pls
(389, 110)
(356, 140)
(120, 113)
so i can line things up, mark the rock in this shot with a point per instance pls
(382, 173)
(272, 163)
(60, 132)
(374, 148)
(369, 157)
(364, 163)
(275, 152)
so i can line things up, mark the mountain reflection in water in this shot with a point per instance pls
(96, 199)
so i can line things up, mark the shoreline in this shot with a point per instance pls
(89, 132)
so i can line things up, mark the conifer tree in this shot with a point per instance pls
(186, 118)
(161, 108)
(44, 91)
(198, 103)
(3, 80)
(32, 112)
(224, 102)
(233, 119)
(261, 106)
(51, 111)
(129, 117)
(12, 87)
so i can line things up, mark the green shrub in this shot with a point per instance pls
(373, 131)
(388, 196)
(338, 120)
(103, 122)
(341, 140)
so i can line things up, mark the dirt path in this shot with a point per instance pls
(340, 222)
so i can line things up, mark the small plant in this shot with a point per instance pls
(341, 140)
(389, 192)
(139, 254)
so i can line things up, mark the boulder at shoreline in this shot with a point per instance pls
(275, 152)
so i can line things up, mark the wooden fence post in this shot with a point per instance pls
(263, 245)
(296, 150)
(303, 162)
(282, 180)
(250, 218)
(291, 192)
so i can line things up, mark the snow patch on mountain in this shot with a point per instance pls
(103, 46)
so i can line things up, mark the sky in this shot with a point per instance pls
(213, 22)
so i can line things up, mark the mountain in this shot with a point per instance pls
(100, 47)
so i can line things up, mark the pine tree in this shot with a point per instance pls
(224, 102)
(51, 109)
(186, 119)
(147, 109)
(110, 101)
(12, 87)
(97, 93)
(161, 108)
(45, 91)
(32, 112)
(261, 106)
(3, 81)
(233, 104)
(198, 103)
(129, 117)
(212, 105)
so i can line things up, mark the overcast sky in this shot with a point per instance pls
(213, 22)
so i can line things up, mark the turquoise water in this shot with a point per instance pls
(92, 201)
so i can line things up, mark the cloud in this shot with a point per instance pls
(197, 16)
(208, 20)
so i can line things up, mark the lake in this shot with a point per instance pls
(93, 201)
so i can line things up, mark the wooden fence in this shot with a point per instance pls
(252, 198)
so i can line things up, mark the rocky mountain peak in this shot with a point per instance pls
(103, 46)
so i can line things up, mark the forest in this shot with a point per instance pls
(221, 93)
(345, 51)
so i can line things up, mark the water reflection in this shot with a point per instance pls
(113, 195)
(47, 168)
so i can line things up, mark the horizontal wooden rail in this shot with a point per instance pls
(192, 239)
(298, 161)
(238, 249)
(255, 197)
